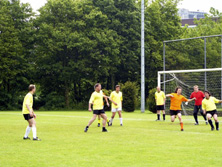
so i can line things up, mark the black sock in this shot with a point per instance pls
(158, 116)
(163, 116)
(204, 116)
(104, 128)
(217, 125)
(195, 117)
(211, 123)
(87, 127)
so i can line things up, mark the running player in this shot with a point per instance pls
(160, 102)
(210, 109)
(107, 103)
(175, 105)
(199, 95)
(116, 98)
(97, 100)
(29, 114)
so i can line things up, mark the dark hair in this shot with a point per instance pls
(31, 87)
(117, 86)
(177, 89)
(96, 85)
(206, 91)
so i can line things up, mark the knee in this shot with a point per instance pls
(172, 120)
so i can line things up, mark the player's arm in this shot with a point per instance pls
(91, 102)
(169, 95)
(189, 100)
(113, 101)
(30, 110)
(106, 98)
(204, 108)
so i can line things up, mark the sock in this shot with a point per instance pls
(181, 125)
(87, 127)
(34, 132)
(158, 116)
(164, 116)
(211, 123)
(195, 117)
(205, 118)
(217, 125)
(104, 128)
(28, 129)
(121, 120)
(98, 121)
(111, 120)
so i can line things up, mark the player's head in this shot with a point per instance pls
(196, 88)
(158, 89)
(117, 88)
(97, 87)
(207, 94)
(178, 90)
(32, 88)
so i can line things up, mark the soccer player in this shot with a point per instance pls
(107, 103)
(116, 98)
(160, 102)
(175, 105)
(199, 95)
(210, 109)
(29, 114)
(97, 100)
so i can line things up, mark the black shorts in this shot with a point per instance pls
(212, 112)
(27, 116)
(98, 112)
(160, 107)
(174, 112)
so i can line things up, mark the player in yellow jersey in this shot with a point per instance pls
(209, 108)
(160, 99)
(97, 100)
(29, 115)
(107, 103)
(116, 98)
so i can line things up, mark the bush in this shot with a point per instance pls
(130, 95)
(151, 100)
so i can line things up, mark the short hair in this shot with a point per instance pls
(31, 87)
(117, 86)
(177, 89)
(96, 85)
(196, 86)
(206, 91)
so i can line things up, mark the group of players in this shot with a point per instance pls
(204, 103)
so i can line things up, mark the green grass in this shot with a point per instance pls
(140, 142)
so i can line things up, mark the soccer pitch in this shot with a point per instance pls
(140, 142)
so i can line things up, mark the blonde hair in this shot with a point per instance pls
(195, 86)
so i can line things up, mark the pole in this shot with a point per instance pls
(205, 63)
(142, 60)
(164, 67)
(221, 72)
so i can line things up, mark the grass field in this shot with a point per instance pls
(140, 142)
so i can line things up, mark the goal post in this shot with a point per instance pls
(207, 79)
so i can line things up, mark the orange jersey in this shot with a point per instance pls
(176, 101)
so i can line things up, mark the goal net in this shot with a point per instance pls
(206, 79)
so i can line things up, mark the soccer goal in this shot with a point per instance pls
(206, 79)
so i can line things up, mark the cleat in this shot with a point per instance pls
(26, 138)
(36, 139)
(157, 119)
(110, 124)
(86, 129)
(217, 129)
(182, 129)
(212, 129)
(196, 124)
(206, 123)
(104, 130)
(98, 124)
(121, 124)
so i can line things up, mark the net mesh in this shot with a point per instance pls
(187, 81)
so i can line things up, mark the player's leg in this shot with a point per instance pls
(210, 121)
(103, 115)
(195, 112)
(28, 129)
(164, 115)
(91, 121)
(172, 115)
(113, 116)
(120, 118)
(216, 121)
(99, 120)
(181, 122)
(158, 115)
(204, 115)
(34, 131)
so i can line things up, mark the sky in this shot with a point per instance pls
(192, 5)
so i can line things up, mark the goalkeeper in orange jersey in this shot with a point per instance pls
(175, 105)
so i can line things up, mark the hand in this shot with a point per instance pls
(107, 104)
(195, 98)
(115, 104)
(31, 114)
(90, 109)
(34, 116)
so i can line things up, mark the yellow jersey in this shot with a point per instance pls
(117, 98)
(160, 96)
(97, 100)
(209, 104)
(28, 100)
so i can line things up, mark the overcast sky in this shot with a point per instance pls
(194, 5)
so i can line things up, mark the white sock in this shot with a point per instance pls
(121, 120)
(28, 129)
(34, 131)
(111, 120)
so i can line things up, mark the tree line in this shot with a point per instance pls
(70, 45)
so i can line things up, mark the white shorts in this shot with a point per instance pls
(116, 109)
